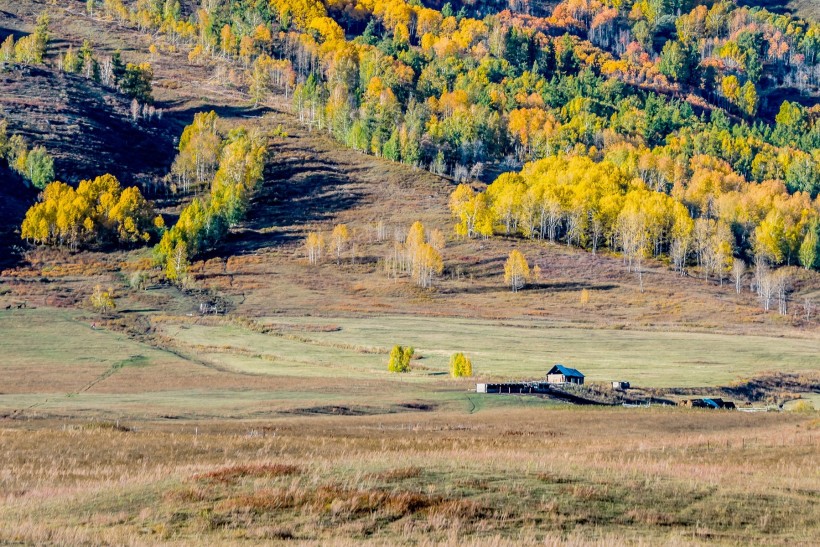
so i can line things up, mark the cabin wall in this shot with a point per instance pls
(562, 379)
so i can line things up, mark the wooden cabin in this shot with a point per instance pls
(559, 374)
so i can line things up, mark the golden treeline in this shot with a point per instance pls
(708, 216)
(98, 211)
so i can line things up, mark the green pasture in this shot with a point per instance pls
(355, 348)
(43, 343)
(54, 362)
(297, 355)
(527, 349)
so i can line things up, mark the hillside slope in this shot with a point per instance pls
(87, 128)
(313, 183)
(808, 9)
(15, 198)
(88, 131)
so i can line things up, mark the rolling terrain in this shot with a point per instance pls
(277, 421)
(808, 9)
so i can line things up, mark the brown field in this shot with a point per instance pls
(279, 422)
(498, 477)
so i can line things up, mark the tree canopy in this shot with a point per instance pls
(96, 212)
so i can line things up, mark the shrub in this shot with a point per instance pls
(400, 359)
(138, 280)
(460, 366)
(102, 301)
(803, 406)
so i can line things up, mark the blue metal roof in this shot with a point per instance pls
(566, 371)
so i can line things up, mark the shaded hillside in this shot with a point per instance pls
(809, 9)
(806, 8)
(15, 198)
(71, 116)
(85, 127)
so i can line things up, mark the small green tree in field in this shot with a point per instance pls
(400, 359)
(460, 366)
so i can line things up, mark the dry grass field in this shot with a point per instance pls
(525, 476)
(278, 421)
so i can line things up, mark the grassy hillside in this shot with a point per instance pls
(87, 127)
(71, 116)
(808, 9)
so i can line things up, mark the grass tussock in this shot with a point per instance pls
(359, 511)
(400, 474)
(103, 426)
(235, 473)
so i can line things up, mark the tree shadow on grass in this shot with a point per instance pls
(474, 289)
(176, 117)
(296, 193)
(5, 32)
(570, 286)
(17, 197)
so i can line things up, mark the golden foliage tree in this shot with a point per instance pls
(97, 211)
(400, 359)
(338, 240)
(199, 149)
(313, 244)
(419, 255)
(516, 270)
(460, 366)
(101, 300)
(204, 222)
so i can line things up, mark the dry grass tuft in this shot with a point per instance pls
(400, 474)
(104, 426)
(236, 473)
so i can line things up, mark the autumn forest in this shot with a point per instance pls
(652, 128)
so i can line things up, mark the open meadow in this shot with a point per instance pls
(290, 429)
(57, 363)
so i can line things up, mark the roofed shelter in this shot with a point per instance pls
(559, 374)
